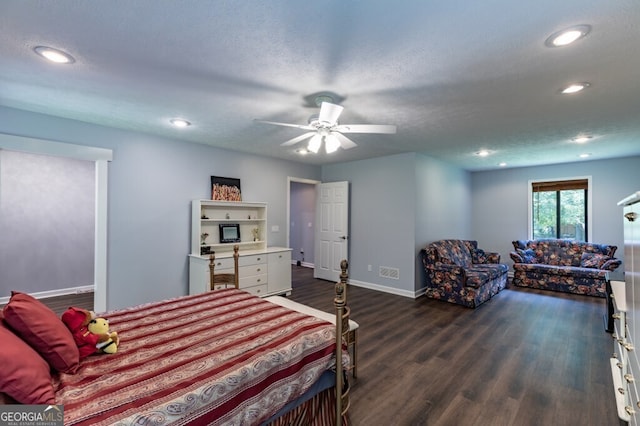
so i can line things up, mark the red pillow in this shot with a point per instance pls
(25, 376)
(41, 328)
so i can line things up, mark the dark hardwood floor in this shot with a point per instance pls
(526, 357)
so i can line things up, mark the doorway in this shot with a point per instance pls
(301, 206)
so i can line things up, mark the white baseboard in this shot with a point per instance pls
(54, 293)
(376, 287)
(305, 264)
(385, 289)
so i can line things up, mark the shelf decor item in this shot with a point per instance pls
(229, 233)
(225, 189)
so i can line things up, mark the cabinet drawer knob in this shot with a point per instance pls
(258, 280)
(258, 259)
(259, 269)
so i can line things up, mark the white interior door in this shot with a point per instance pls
(332, 229)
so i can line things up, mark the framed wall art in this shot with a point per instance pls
(225, 189)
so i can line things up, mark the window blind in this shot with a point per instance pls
(560, 185)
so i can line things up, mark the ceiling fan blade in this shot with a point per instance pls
(345, 142)
(297, 126)
(329, 113)
(298, 139)
(367, 128)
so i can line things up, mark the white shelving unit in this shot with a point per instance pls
(264, 270)
(206, 216)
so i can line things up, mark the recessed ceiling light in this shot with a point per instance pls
(585, 155)
(179, 122)
(582, 138)
(503, 164)
(567, 36)
(54, 55)
(575, 88)
(483, 153)
(302, 151)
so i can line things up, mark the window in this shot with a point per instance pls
(560, 209)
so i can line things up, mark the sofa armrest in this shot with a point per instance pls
(481, 257)
(516, 257)
(492, 257)
(611, 264)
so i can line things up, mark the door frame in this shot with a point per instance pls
(298, 180)
(101, 157)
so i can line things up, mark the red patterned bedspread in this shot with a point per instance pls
(224, 357)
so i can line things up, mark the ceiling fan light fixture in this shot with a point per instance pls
(331, 144)
(314, 144)
(567, 36)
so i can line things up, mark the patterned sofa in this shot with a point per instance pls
(563, 265)
(457, 271)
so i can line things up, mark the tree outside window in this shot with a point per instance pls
(559, 209)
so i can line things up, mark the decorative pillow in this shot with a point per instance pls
(528, 255)
(41, 328)
(593, 260)
(26, 376)
(478, 256)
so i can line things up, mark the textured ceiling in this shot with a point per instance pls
(455, 76)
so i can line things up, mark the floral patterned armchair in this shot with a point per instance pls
(457, 271)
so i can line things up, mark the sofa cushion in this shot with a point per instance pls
(528, 255)
(541, 270)
(453, 252)
(41, 328)
(479, 275)
(593, 260)
(478, 256)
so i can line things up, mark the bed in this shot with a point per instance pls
(221, 357)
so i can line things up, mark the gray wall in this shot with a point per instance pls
(303, 214)
(399, 204)
(382, 217)
(152, 181)
(46, 214)
(499, 201)
(443, 199)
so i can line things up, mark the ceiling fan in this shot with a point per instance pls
(325, 128)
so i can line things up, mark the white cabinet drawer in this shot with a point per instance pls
(253, 259)
(222, 286)
(250, 270)
(252, 280)
(258, 290)
(222, 263)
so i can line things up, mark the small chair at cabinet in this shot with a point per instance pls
(225, 278)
